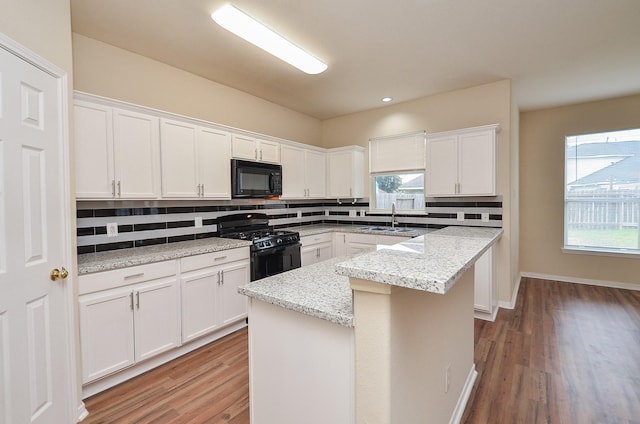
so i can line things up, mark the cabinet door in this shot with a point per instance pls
(308, 255)
(243, 147)
(233, 305)
(157, 321)
(93, 135)
(442, 166)
(106, 332)
(484, 277)
(339, 244)
(325, 251)
(199, 296)
(136, 155)
(214, 164)
(178, 147)
(269, 151)
(477, 163)
(340, 173)
(316, 173)
(293, 172)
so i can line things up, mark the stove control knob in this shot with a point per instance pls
(279, 241)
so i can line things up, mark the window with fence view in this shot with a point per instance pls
(406, 190)
(602, 191)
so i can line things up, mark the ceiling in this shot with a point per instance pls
(555, 51)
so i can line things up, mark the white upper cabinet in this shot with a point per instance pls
(117, 153)
(255, 149)
(462, 162)
(195, 161)
(397, 153)
(345, 167)
(304, 173)
(93, 134)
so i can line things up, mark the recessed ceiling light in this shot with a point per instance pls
(244, 26)
(387, 99)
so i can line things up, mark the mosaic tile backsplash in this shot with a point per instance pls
(139, 224)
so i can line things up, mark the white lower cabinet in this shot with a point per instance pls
(316, 248)
(122, 326)
(209, 285)
(485, 286)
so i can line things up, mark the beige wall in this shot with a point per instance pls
(42, 26)
(542, 137)
(480, 105)
(112, 72)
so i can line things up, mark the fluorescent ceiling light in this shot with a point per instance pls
(244, 26)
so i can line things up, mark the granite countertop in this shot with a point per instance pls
(116, 259)
(432, 262)
(309, 230)
(314, 290)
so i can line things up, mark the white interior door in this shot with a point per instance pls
(35, 370)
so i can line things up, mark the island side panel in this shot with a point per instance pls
(301, 368)
(430, 334)
(405, 340)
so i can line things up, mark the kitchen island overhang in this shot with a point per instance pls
(403, 353)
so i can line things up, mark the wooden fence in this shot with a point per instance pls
(603, 209)
(403, 201)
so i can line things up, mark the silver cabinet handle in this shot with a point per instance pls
(219, 279)
(222, 277)
(138, 300)
(119, 189)
(219, 258)
(131, 297)
(128, 277)
(260, 154)
(113, 188)
(198, 190)
(202, 190)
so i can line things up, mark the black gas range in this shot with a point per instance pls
(272, 251)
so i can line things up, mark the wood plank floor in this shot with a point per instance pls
(568, 353)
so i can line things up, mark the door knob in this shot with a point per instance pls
(58, 274)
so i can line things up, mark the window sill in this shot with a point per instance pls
(601, 252)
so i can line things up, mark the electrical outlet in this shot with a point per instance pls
(484, 217)
(352, 213)
(299, 214)
(447, 378)
(362, 213)
(460, 216)
(326, 212)
(112, 229)
(198, 221)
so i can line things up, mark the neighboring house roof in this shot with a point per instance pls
(625, 171)
(624, 148)
(413, 184)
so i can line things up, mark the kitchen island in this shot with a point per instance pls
(385, 336)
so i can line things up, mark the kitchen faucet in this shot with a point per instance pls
(393, 215)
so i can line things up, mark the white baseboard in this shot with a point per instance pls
(512, 303)
(602, 283)
(464, 396)
(82, 412)
(118, 377)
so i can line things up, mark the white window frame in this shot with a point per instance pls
(592, 250)
(373, 192)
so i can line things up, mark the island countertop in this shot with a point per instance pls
(432, 262)
(315, 290)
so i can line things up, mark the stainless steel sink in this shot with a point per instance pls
(385, 229)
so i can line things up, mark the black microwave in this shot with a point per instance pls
(255, 179)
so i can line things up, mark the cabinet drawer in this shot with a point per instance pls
(192, 263)
(316, 238)
(121, 277)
